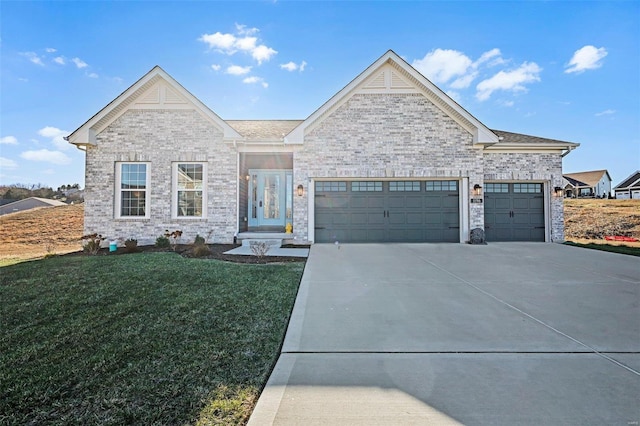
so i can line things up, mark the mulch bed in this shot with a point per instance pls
(216, 251)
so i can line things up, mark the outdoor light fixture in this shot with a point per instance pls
(477, 189)
(300, 190)
(557, 191)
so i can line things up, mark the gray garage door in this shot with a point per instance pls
(380, 211)
(514, 212)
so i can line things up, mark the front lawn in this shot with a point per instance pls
(622, 249)
(149, 338)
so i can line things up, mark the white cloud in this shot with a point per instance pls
(33, 57)
(292, 66)
(79, 63)
(92, 75)
(441, 65)
(606, 112)
(219, 41)
(238, 70)
(9, 140)
(586, 58)
(262, 53)
(243, 40)
(44, 155)
(56, 135)
(59, 60)
(243, 30)
(254, 80)
(7, 164)
(514, 80)
(50, 50)
(446, 66)
(215, 67)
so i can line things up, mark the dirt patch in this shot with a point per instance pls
(594, 219)
(216, 251)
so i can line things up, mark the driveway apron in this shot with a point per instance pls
(507, 333)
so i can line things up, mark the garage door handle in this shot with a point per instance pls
(320, 227)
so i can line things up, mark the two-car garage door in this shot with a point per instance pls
(387, 211)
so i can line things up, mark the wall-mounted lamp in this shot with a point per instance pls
(300, 190)
(557, 191)
(247, 177)
(477, 190)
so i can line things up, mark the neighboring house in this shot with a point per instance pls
(594, 184)
(28, 204)
(390, 157)
(629, 188)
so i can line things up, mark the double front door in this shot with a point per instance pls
(270, 197)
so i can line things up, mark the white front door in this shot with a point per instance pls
(269, 196)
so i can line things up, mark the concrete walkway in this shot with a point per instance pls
(511, 333)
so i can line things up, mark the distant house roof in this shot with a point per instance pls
(631, 181)
(586, 178)
(28, 204)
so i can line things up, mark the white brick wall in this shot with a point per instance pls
(546, 168)
(161, 137)
(386, 136)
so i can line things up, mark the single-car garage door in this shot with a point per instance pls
(387, 211)
(514, 212)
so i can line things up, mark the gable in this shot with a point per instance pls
(632, 181)
(390, 74)
(155, 90)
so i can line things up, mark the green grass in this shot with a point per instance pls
(149, 338)
(622, 249)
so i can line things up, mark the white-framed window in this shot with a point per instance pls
(189, 190)
(132, 190)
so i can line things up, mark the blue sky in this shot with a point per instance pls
(564, 70)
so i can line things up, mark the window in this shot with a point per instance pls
(404, 186)
(441, 185)
(496, 187)
(366, 186)
(331, 186)
(527, 187)
(132, 190)
(189, 194)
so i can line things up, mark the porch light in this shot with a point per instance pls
(300, 190)
(477, 190)
(557, 191)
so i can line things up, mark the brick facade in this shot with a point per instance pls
(161, 137)
(531, 167)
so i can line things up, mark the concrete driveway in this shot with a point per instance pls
(509, 333)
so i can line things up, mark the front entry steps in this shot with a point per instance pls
(272, 239)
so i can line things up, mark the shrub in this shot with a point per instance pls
(92, 243)
(173, 237)
(199, 240)
(162, 241)
(131, 245)
(201, 250)
(260, 248)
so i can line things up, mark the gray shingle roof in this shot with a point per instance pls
(264, 129)
(518, 138)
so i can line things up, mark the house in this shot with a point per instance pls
(390, 157)
(594, 184)
(629, 188)
(28, 204)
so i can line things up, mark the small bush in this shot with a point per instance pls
(131, 245)
(162, 241)
(201, 250)
(92, 243)
(199, 240)
(260, 249)
(174, 237)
